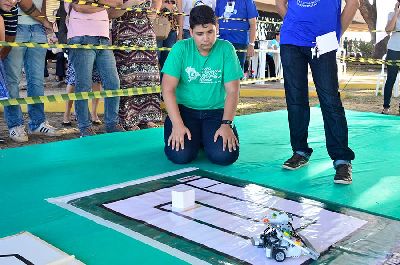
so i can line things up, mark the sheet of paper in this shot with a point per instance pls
(327, 43)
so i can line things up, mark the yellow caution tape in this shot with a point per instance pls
(101, 94)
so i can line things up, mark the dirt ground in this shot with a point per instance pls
(353, 99)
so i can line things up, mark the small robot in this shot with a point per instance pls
(280, 240)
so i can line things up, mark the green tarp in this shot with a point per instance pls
(31, 174)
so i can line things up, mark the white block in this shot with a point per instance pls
(182, 199)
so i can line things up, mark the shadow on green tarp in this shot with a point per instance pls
(31, 174)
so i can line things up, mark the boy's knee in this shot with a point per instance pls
(223, 158)
(180, 157)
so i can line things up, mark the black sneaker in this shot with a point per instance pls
(295, 162)
(343, 174)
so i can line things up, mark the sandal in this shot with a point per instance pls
(151, 124)
(66, 123)
(97, 122)
(133, 128)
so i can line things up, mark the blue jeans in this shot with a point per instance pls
(83, 61)
(202, 125)
(186, 34)
(295, 62)
(32, 59)
(392, 71)
(240, 55)
(167, 43)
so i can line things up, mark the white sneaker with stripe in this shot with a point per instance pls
(45, 129)
(18, 134)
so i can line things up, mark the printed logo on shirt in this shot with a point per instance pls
(229, 10)
(192, 73)
(309, 3)
(198, 3)
(208, 75)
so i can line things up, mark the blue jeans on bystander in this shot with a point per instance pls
(392, 71)
(83, 61)
(295, 60)
(240, 55)
(32, 59)
(167, 43)
(202, 125)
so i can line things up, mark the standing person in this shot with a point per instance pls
(187, 6)
(393, 53)
(201, 92)
(62, 38)
(8, 26)
(137, 68)
(176, 27)
(346, 44)
(71, 81)
(273, 45)
(301, 25)
(32, 27)
(90, 25)
(242, 32)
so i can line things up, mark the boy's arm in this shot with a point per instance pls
(225, 131)
(177, 138)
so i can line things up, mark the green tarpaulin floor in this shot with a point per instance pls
(29, 175)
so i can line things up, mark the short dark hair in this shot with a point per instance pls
(202, 15)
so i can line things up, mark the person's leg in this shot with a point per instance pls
(82, 61)
(241, 55)
(34, 63)
(271, 66)
(192, 121)
(186, 34)
(295, 71)
(13, 68)
(324, 71)
(68, 106)
(210, 124)
(168, 43)
(160, 43)
(95, 102)
(46, 71)
(392, 71)
(106, 66)
(60, 66)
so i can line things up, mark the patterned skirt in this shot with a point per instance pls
(137, 69)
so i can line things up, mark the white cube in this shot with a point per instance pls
(182, 199)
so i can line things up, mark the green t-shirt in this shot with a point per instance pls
(202, 78)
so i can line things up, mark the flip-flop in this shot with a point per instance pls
(97, 122)
(66, 123)
(151, 124)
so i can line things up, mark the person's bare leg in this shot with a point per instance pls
(95, 103)
(68, 106)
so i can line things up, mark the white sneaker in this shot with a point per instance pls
(18, 134)
(45, 129)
